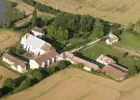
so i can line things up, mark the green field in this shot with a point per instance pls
(130, 40)
(95, 51)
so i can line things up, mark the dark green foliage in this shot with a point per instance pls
(51, 70)
(98, 28)
(63, 64)
(30, 2)
(117, 32)
(132, 70)
(86, 23)
(130, 27)
(125, 54)
(12, 15)
(35, 75)
(34, 18)
(133, 28)
(47, 9)
(24, 85)
(137, 27)
(115, 26)
(9, 83)
(10, 4)
(68, 21)
(57, 33)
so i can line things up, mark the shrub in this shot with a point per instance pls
(9, 83)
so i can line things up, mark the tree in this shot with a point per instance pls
(30, 2)
(12, 15)
(62, 64)
(37, 75)
(57, 33)
(10, 4)
(25, 84)
(132, 70)
(125, 54)
(115, 26)
(130, 27)
(34, 18)
(9, 83)
(98, 28)
(86, 23)
(137, 27)
(51, 70)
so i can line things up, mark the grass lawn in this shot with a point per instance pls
(131, 40)
(95, 51)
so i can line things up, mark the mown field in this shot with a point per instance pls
(120, 11)
(74, 84)
(96, 50)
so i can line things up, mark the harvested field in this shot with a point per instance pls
(120, 11)
(8, 38)
(74, 84)
(5, 73)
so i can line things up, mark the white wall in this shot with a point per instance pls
(20, 69)
(37, 33)
(87, 68)
(33, 64)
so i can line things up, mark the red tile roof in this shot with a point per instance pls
(42, 58)
(47, 47)
(14, 60)
(114, 72)
(79, 60)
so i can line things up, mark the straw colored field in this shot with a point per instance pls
(74, 84)
(121, 11)
(8, 38)
(5, 73)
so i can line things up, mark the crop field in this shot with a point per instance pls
(74, 84)
(121, 11)
(6, 73)
(8, 38)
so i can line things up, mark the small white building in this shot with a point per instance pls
(15, 64)
(38, 32)
(112, 39)
(43, 60)
(105, 60)
(35, 45)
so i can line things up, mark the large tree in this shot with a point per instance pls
(58, 33)
(9, 83)
(34, 18)
(98, 28)
(137, 27)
